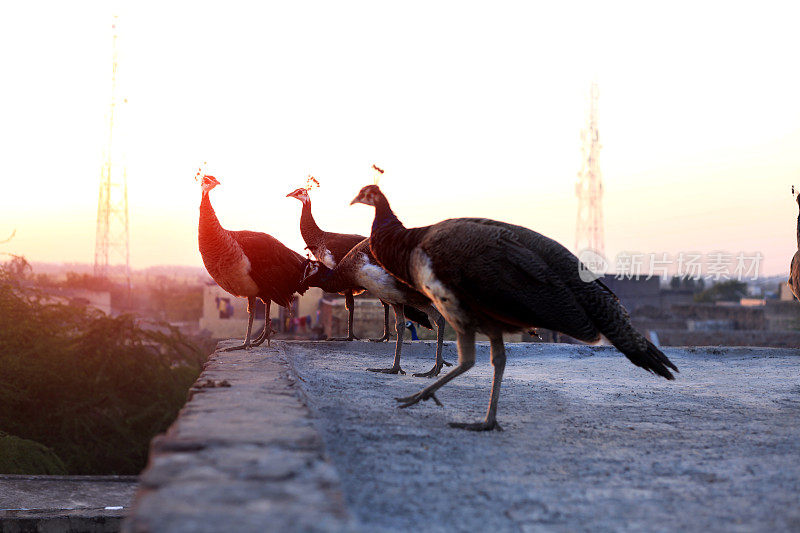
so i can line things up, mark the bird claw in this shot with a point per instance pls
(477, 426)
(408, 401)
(392, 370)
(385, 338)
(433, 372)
(233, 348)
(266, 337)
(343, 339)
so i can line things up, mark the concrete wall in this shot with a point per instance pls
(54, 504)
(243, 455)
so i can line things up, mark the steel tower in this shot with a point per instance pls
(589, 233)
(112, 241)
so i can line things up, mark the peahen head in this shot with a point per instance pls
(315, 273)
(369, 195)
(301, 194)
(207, 183)
(312, 267)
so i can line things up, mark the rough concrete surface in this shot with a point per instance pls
(64, 503)
(242, 456)
(591, 442)
(18, 493)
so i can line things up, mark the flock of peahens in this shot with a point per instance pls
(477, 274)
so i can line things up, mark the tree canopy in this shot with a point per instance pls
(92, 388)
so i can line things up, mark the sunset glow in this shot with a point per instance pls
(472, 110)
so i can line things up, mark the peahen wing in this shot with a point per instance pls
(339, 244)
(488, 268)
(276, 269)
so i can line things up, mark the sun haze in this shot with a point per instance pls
(471, 109)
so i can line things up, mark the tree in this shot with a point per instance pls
(17, 267)
(726, 291)
(94, 389)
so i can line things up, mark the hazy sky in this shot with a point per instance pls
(473, 109)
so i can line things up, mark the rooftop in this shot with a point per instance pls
(305, 439)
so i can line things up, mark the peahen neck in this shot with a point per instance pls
(329, 280)
(311, 233)
(386, 222)
(390, 241)
(213, 239)
(209, 223)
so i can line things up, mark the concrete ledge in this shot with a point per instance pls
(242, 456)
(64, 503)
(83, 521)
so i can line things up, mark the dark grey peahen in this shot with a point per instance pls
(493, 277)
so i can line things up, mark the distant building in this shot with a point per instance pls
(642, 293)
(785, 293)
(226, 316)
(782, 316)
(100, 300)
(368, 316)
(667, 316)
(671, 317)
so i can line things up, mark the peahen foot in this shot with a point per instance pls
(477, 426)
(433, 372)
(393, 370)
(422, 395)
(344, 339)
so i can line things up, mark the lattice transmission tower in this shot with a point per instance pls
(589, 233)
(112, 241)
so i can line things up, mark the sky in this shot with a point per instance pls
(473, 109)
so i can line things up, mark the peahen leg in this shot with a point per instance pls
(350, 305)
(386, 333)
(251, 310)
(498, 355)
(267, 332)
(438, 322)
(466, 359)
(400, 320)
